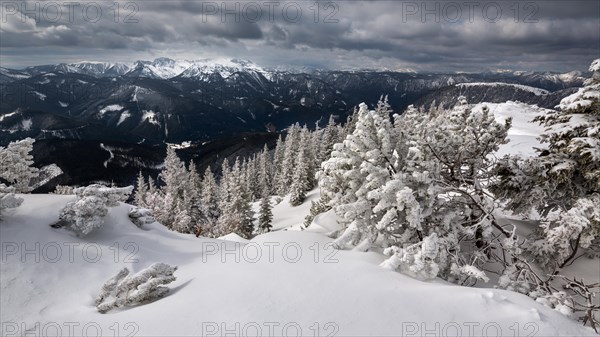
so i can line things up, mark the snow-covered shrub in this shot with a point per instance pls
(8, 198)
(15, 164)
(140, 288)
(140, 216)
(568, 168)
(64, 190)
(316, 208)
(419, 183)
(87, 213)
(417, 260)
(562, 184)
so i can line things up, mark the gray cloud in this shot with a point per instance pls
(419, 35)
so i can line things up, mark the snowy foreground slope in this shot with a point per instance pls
(277, 284)
(285, 283)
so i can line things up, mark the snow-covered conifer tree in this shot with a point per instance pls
(161, 205)
(224, 184)
(357, 166)
(237, 215)
(141, 189)
(265, 172)
(182, 220)
(209, 201)
(278, 166)
(299, 180)
(265, 216)
(174, 175)
(563, 182)
(329, 137)
(16, 164)
(292, 144)
(192, 198)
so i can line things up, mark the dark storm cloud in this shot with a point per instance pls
(420, 35)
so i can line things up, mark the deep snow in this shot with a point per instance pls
(285, 279)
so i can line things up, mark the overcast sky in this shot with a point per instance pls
(397, 35)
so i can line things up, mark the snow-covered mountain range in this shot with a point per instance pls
(160, 68)
(166, 68)
(139, 106)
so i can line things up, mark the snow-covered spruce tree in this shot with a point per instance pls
(563, 184)
(265, 172)
(141, 189)
(174, 175)
(8, 199)
(182, 221)
(299, 180)
(357, 166)
(87, 213)
(265, 217)
(437, 199)
(568, 168)
(192, 195)
(224, 188)
(417, 189)
(251, 178)
(278, 166)
(209, 201)
(131, 290)
(16, 164)
(237, 215)
(329, 136)
(565, 175)
(161, 205)
(572, 165)
(307, 147)
(325, 140)
(174, 205)
(292, 144)
(348, 127)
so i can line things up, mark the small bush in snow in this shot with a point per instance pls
(140, 288)
(64, 190)
(8, 198)
(141, 216)
(87, 213)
